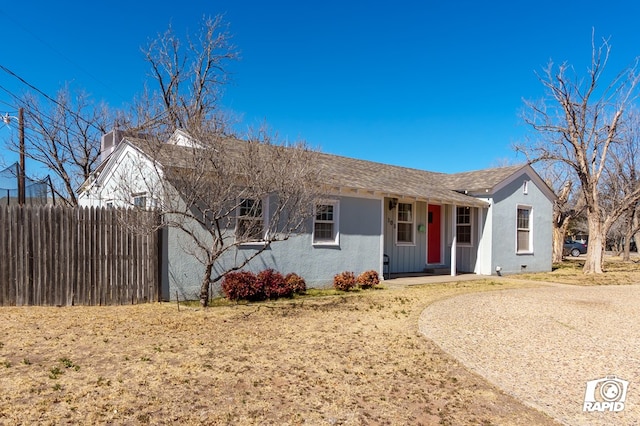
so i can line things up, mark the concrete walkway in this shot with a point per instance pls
(403, 281)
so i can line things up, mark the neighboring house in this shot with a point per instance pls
(494, 221)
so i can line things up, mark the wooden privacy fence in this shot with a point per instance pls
(77, 256)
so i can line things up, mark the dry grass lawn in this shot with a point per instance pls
(617, 272)
(351, 359)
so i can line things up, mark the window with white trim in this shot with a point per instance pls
(463, 225)
(325, 223)
(250, 221)
(140, 200)
(405, 228)
(523, 230)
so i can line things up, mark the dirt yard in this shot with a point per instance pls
(356, 359)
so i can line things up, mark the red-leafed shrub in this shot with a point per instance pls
(368, 279)
(296, 283)
(344, 281)
(268, 284)
(273, 284)
(242, 285)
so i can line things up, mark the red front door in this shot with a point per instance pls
(433, 230)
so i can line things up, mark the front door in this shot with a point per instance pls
(433, 232)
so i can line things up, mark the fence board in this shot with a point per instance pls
(77, 256)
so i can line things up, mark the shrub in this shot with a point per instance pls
(267, 284)
(241, 285)
(273, 284)
(296, 283)
(344, 281)
(368, 279)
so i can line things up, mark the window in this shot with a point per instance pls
(250, 226)
(405, 224)
(325, 224)
(463, 225)
(523, 239)
(140, 200)
(525, 187)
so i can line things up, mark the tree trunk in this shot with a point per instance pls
(558, 244)
(559, 232)
(204, 286)
(595, 248)
(626, 253)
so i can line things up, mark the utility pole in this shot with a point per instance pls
(21, 178)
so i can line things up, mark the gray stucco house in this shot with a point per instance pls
(391, 219)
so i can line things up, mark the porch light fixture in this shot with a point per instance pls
(393, 203)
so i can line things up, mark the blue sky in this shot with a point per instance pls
(423, 84)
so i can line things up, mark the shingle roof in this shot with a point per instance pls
(395, 181)
(480, 180)
(353, 175)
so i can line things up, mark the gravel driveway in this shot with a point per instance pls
(542, 345)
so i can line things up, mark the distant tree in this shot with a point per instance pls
(621, 179)
(65, 138)
(579, 124)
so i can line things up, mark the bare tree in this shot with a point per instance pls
(567, 206)
(622, 178)
(579, 125)
(64, 136)
(190, 74)
(220, 193)
(215, 191)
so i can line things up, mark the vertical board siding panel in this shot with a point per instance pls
(57, 254)
(129, 254)
(19, 256)
(56, 232)
(108, 224)
(104, 256)
(37, 256)
(12, 253)
(155, 258)
(64, 258)
(29, 258)
(138, 263)
(3, 251)
(130, 266)
(115, 254)
(68, 255)
(82, 256)
(4, 265)
(91, 242)
(118, 256)
(48, 257)
(98, 259)
(145, 264)
(79, 255)
(75, 250)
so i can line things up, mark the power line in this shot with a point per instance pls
(64, 107)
